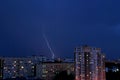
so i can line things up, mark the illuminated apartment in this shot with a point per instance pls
(18, 67)
(48, 70)
(89, 63)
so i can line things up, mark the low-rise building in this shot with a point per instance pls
(18, 67)
(48, 70)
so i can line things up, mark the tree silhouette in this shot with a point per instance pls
(63, 75)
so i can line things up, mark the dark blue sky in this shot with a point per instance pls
(66, 24)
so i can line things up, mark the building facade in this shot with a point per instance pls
(48, 70)
(18, 67)
(89, 63)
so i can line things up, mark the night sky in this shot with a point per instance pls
(65, 23)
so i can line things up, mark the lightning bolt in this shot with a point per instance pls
(48, 45)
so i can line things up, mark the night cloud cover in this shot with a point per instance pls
(66, 23)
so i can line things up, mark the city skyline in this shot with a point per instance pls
(88, 64)
(66, 24)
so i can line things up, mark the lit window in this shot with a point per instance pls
(90, 72)
(43, 66)
(43, 75)
(117, 69)
(21, 62)
(32, 66)
(14, 61)
(14, 71)
(29, 61)
(22, 67)
(15, 65)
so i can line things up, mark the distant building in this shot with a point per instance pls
(112, 70)
(38, 58)
(68, 60)
(18, 67)
(89, 63)
(48, 70)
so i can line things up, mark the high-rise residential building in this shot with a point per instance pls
(89, 63)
